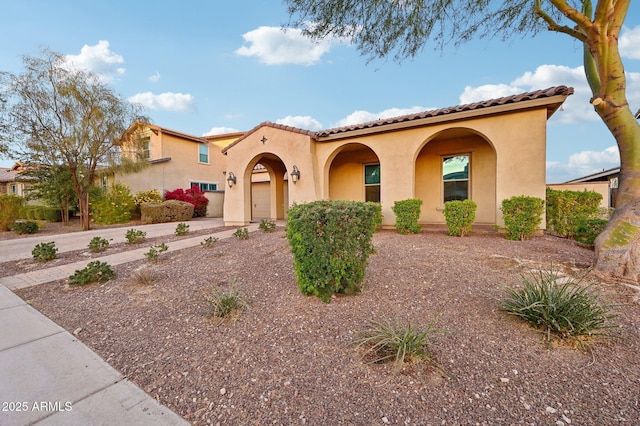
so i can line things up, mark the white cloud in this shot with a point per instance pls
(98, 59)
(155, 77)
(301, 122)
(359, 117)
(582, 164)
(220, 131)
(275, 46)
(486, 92)
(629, 43)
(164, 101)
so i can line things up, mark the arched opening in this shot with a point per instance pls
(354, 174)
(456, 164)
(269, 190)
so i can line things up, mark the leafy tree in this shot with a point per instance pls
(53, 185)
(402, 28)
(53, 115)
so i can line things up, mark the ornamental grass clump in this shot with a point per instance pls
(225, 303)
(331, 244)
(561, 308)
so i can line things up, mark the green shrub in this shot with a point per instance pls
(182, 229)
(45, 252)
(241, 233)
(225, 303)
(331, 244)
(52, 214)
(459, 216)
(27, 212)
(564, 309)
(153, 255)
(267, 225)
(407, 214)
(166, 211)
(27, 227)
(114, 207)
(9, 210)
(135, 236)
(98, 244)
(567, 209)
(208, 242)
(95, 271)
(587, 230)
(522, 215)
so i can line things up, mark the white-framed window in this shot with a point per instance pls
(205, 186)
(104, 181)
(455, 177)
(146, 148)
(203, 153)
(372, 182)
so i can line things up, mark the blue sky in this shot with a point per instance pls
(214, 67)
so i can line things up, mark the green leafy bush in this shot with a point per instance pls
(225, 303)
(331, 244)
(10, 206)
(459, 216)
(27, 227)
(182, 229)
(95, 271)
(564, 309)
(98, 244)
(135, 236)
(208, 242)
(522, 215)
(114, 207)
(587, 230)
(153, 255)
(241, 233)
(44, 252)
(267, 225)
(166, 211)
(52, 214)
(407, 214)
(566, 210)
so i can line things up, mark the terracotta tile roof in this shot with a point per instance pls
(538, 94)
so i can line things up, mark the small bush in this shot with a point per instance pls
(241, 233)
(331, 244)
(225, 303)
(459, 216)
(564, 309)
(182, 229)
(167, 211)
(587, 230)
(208, 242)
(98, 244)
(522, 215)
(45, 252)
(407, 214)
(135, 236)
(10, 206)
(153, 255)
(95, 271)
(114, 207)
(27, 227)
(148, 196)
(567, 209)
(267, 225)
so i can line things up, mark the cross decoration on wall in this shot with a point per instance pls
(264, 139)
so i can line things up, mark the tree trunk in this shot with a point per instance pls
(83, 203)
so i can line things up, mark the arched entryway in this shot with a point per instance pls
(456, 164)
(269, 192)
(354, 174)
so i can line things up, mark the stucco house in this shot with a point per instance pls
(485, 151)
(179, 160)
(12, 180)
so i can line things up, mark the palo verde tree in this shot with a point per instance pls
(402, 28)
(54, 116)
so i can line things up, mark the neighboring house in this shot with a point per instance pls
(485, 151)
(604, 182)
(12, 181)
(179, 160)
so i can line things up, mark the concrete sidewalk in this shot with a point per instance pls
(48, 377)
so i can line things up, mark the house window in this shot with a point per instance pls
(104, 181)
(203, 154)
(372, 182)
(455, 177)
(14, 189)
(146, 148)
(205, 186)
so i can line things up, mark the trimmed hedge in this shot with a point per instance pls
(331, 244)
(167, 211)
(522, 215)
(566, 210)
(459, 215)
(407, 214)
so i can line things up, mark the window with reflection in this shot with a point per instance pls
(455, 177)
(372, 182)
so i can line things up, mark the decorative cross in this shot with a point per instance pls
(263, 140)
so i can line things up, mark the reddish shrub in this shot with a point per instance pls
(193, 196)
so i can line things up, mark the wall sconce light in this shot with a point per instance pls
(295, 175)
(231, 179)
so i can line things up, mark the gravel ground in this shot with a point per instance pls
(290, 359)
